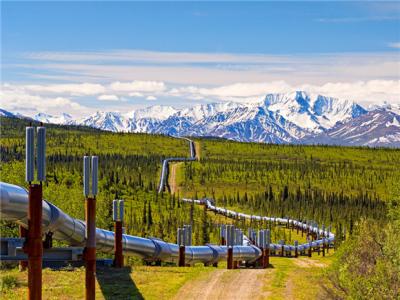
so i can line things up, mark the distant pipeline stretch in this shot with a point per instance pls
(164, 169)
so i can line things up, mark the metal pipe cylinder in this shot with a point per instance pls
(189, 235)
(228, 235)
(115, 210)
(95, 166)
(29, 154)
(86, 176)
(41, 154)
(178, 237)
(121, 210)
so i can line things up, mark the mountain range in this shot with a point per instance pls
(297, 117)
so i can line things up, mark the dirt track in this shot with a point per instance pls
(224, 284)
(172, 178)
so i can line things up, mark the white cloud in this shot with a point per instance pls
(151, 98)
(362, 92)
(79, 89)
(17, 100)
(394, 45)
(135, 94)
(138, 86)
(108, 98)
(156, 68)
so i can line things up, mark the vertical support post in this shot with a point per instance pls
(90, 233)
(90, 250)
(282, 248)
(181, 256)
(23, 233)
(230, 258)
(296, 251)
(267, 251)
(181, 243)
(230, 231)
(118, 215)
(309, 249)
(35, 244)
(323, 247)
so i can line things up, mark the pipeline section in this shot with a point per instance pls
(14, 208)
(327, 236)
(164, 169)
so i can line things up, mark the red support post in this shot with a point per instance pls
(35, 244)
(266, 258)
(23, 233)
(118, 256)
(90, 250)
(223, 242)
(230, 258)
(181, 262)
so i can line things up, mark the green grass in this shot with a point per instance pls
(293, 279)
(136, 283)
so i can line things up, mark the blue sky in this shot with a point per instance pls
(86, 56)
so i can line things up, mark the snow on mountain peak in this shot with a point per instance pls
(312, 111)
(64, 118)
(279, 118)
(156, 112)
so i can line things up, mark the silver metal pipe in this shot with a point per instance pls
(95, 167)
(41, 154)
(14, 207)
(86, 176)
(306, 225)
(29, 154)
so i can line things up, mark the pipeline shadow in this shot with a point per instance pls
(117, 283)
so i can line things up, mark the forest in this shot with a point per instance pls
(348, 188)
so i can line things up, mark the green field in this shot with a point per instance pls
(338, 186)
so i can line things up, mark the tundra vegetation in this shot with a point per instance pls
(354, 190)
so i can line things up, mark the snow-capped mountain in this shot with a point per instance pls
(64, 119)
(313, 112)
(295, 117)
(110, 121)
(380, 127)
(8, 114)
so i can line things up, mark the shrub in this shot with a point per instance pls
(8, 282)
(368, 264)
